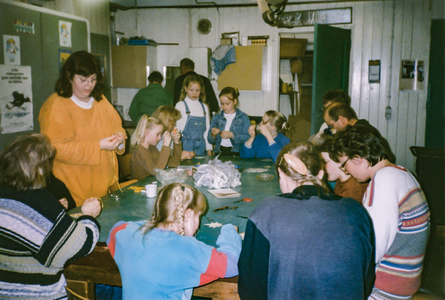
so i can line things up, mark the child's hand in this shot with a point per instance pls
(64, 202)
(176, 135)
(187, 155)
(215, 131)
(227, 134)
(252, 132)
(266, 132)
(167, 138)
(91, 207)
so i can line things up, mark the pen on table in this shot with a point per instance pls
(243, 217)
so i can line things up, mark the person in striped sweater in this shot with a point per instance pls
(38, 239)
(397, 206)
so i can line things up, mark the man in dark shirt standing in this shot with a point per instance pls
(187, 68)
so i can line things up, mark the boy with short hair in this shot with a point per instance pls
(397, 206)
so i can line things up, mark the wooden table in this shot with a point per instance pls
(99, 266)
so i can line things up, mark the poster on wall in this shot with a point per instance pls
(15, 99)
(412, 75)
(11, 48)
(63, 56)
(65, 33)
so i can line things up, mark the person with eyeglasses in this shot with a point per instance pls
(85, 129)
(333, 96)
(344, 184)
(397, 205)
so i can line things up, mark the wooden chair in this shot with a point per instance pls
(124, 167)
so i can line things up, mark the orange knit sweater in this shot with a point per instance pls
(75, 132)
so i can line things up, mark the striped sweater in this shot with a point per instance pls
(400, 215)
(37, 240)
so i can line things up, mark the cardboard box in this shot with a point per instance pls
(226, 41)
(296, 66)
(290, 48)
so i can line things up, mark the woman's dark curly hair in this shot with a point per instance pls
(79, 63)
(361, 141)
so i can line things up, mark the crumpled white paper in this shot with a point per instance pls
(217, 175)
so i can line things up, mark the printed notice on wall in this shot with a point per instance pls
(15, 99)
(65, 34)
(11, 46)
(412, 75)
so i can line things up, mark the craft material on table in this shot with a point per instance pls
(224, 193)
(225, 207)
(256, 170)
(264, 177)
(137, 189)
(214, 225)
(217, 174)
(244, 199)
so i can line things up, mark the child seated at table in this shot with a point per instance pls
(160, 258)
(145, 156)
(229, 129)
(272, 137)
(168, 115)
(345, 185)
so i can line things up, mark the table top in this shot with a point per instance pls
(133, 206)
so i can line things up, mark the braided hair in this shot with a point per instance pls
(170, 207)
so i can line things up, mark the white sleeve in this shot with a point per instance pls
(208, 145)
(384, 211)
(323, 126)
(180, 124)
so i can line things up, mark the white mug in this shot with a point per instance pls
(151, 190)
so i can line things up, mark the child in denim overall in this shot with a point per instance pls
(229, 129)
(195, 122)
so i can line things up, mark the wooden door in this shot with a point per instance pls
(435, 115)
(332, 47)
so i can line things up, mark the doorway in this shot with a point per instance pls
(295, 88)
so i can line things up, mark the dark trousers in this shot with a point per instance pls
(227, 151)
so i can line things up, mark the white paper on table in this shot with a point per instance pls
(224, 193)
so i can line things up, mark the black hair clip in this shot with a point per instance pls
(328, 131)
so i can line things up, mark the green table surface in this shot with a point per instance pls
(132, 206)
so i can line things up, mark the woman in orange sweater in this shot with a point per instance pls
(84, 128)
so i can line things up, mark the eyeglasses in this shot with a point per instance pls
(343, 165)
(83, 81)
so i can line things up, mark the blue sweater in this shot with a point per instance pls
(261, 149)
(304, 246)
(165, 265)
(239, 127)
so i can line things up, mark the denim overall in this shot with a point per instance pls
(193, 133)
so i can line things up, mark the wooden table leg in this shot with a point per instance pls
(84, 289)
